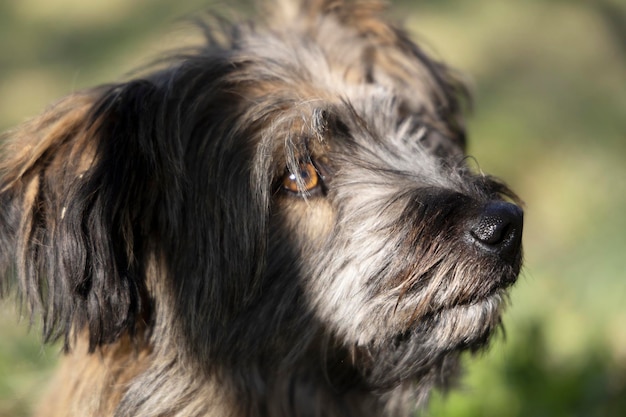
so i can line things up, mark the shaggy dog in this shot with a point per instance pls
(279, 223)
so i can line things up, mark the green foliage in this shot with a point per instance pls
(525, 380)
(25, 364)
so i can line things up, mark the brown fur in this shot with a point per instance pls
(109, 371)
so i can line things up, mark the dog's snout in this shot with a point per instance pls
(498, 228)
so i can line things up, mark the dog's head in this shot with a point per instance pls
(289, 197)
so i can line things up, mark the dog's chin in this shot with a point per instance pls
(468, 326)
(432, 342)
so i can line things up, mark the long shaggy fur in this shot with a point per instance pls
(168, 229)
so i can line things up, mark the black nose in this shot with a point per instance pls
(498, 229)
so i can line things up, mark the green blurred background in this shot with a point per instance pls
(549, 79)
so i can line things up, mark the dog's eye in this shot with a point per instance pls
(306, 180)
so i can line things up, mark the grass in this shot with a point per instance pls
(25, 365)
(550, 86)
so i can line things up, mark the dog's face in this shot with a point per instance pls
(397, 250)
(294, 198)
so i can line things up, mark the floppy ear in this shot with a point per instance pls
(78, 187)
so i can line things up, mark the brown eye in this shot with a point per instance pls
(307, 179)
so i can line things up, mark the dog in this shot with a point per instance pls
(281, 222)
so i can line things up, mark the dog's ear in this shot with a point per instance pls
(78, 187)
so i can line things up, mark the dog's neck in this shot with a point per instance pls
(113, 381)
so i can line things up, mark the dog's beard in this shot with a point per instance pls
(427, 344)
